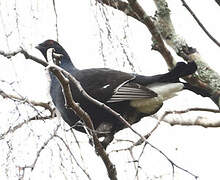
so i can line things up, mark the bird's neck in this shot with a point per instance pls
(67, 65)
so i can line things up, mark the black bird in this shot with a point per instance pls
(133, 96)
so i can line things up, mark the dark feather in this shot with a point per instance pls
(114, 88)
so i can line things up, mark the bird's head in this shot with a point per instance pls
(58, 49)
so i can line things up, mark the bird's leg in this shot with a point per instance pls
(105, 130)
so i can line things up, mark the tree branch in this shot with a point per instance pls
(200, 24)
(72, 155)
(26, 55)
(25, 100)
(199, 121)
(218, 2)
(120, 5)
(137, 12)
(207, 80)
(32, 166)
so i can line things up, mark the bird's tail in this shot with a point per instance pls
(180, 70)
(166, 90)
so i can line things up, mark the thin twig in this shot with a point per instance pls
(72, 155)
(141, 140)
(32, 166)
(200, 24)
(134, 9)
(25, 100)
(56, 24)
(19, 125)
(10, 54)
(26, 55)
(172, 163)
(138, 161)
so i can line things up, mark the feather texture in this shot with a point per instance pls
(131, 91)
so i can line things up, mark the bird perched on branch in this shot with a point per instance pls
(133, 96)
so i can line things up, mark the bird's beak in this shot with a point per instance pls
(39, 47)
(42, 49)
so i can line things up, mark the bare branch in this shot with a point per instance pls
(138, 160)
(195, 109)
(140, 141)
(72, 155)
(37, 60)
(218, 2)
(139, 14)
(173, 164)
(207, 79)
(120, 5)
(32, 166)
(10, 54)
(26, 55)
(199, 121)
(56, 24)
(25, 100)
(20, 125)
(200, 24)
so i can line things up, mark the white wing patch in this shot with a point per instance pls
(105, 86)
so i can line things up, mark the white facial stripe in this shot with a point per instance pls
(50, 54)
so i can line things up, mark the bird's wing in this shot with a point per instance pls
(131, 91)
(108, 85)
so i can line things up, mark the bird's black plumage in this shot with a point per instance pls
(133, 96)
